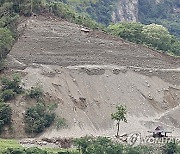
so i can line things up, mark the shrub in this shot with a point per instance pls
(130, 31)
(14, 151)
(6, 41)
(35, 151)
(89, 145)
(66, 12)
(24, 151)
(170, 148)
(7, 95)
(37, 118)
(61, 123)
(153, 35)
(13, 84)
(35, 92)
(5, 115)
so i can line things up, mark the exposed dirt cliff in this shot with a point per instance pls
(89, 73)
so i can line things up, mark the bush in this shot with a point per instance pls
(35, 151)
(66, 12)
(61, 123)
(89, 145)
(6, 42)
(153, 35)
(5, 115)
(128, 30)
(35, 92)
(24, 151)
(37, 118)
(14, 151)
(170, 148)
(13, 84)
(7, 95)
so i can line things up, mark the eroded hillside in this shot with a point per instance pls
(89, 73)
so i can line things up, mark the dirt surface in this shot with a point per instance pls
(53, 42)
(89, 73)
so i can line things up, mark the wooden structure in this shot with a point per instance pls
(159, 132)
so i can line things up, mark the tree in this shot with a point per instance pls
(130, 31)
(5, 115)
(6, 41)
(37, 118)
(119, 115)
(157, 36)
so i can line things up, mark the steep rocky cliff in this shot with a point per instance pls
(126, 10)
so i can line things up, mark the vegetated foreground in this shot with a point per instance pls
(89, 73)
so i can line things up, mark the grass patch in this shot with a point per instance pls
(12, 143)
(56, 150)
(4, 144)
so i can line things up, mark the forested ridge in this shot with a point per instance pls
(165, 12)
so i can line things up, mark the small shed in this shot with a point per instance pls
(159, 132)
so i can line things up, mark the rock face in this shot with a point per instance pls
(127, 10)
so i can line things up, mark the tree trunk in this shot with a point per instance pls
(118, 129)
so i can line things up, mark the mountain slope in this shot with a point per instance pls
(89, 73)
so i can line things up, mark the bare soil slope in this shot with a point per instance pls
(88, 74)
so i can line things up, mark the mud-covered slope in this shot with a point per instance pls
(88, 74)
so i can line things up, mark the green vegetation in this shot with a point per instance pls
(5, 144)
(37, 118)
(12, 146)
(164, 13)
(90, 145)
(61, 123)
(130, 31)
(35, 92)
(153, 35)
(10, 87)
(6, 41)
(5, 115)
(119, 115)
(7, 95)
(99, 10)
(170, 148)
(66, 12)
(104, 145)
(35, 150)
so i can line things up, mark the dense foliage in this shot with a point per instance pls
(37, 118)
(5, 115)
(99, 10)
(24, 151)
(104, 145)
(66, 12)
(35, 150)
(152, 35)
(166, 12)
(10, 87)
(35, 92)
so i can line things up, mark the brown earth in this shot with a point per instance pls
(89, 73)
